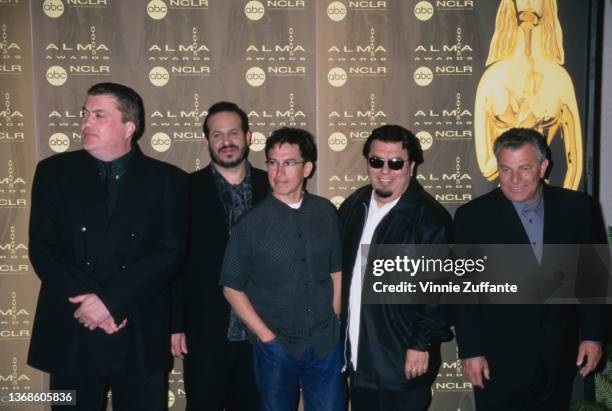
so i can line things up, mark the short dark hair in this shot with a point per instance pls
(129, 103)
(301, 138)
(226, 106)
(515, 138)
(392, 133)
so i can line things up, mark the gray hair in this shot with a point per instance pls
(515, 138)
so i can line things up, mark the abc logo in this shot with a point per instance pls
(157, 9)
(59, 142)
(159, 76)
(423, 76)
(337, 201)
(160, 142)
(425, 138)
(56, 75)
(337, 141)
(336, 11)
(337, 77)
(254, 10)
(255, 76)
(53, 8)
(258, 141)
(423, 10)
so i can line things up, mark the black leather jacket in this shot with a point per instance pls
(416, 219)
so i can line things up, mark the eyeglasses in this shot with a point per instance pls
(287, 163)
(393, 163)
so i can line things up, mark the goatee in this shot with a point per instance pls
(382, 194)
(230, 163)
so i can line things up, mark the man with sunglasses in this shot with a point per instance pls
(281, 277)
(392, 352)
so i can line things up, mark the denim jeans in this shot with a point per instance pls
(279, 375)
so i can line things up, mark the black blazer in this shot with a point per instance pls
(200, 309)
(531, 349)
(128, 261)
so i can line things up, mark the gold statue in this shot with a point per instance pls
(525, 85)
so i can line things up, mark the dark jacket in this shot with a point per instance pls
(416, 219)
(531, 349)
(200, 309)
(128, 261)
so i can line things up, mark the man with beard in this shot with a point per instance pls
(391, 350)
(206, 333)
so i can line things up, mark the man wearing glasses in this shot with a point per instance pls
(281, 275)
(392, 351)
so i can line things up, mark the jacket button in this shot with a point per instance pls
(87, 263)
(83, 229)
(123, 267)
(133, 235)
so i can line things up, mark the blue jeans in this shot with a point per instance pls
(278, 376)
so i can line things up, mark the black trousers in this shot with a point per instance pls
(129, 393)
(222, 380)
(369, 399)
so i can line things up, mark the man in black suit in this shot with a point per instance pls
(218, 365)
(524, 357)
(108, 231)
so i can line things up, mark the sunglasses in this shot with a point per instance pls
(393, 163)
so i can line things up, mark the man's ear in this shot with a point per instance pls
(308, 168)
(130, 129)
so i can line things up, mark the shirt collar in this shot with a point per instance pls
(118, 166)
(219, 179)
(535, 206)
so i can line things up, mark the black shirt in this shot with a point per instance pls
(282, 258)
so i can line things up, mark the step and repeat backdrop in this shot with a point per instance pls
(455, 72)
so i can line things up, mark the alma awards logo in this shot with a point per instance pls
(11, 121)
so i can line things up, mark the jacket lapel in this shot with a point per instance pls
(511, 226)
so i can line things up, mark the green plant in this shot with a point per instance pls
(586, 406)
(603, 388)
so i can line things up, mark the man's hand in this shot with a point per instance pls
(178, 345)
(416, 363)
(592, 351)
(110, 327)
(266, 336)
(91, 312)
(476, 368)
